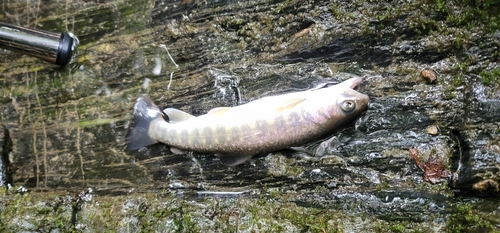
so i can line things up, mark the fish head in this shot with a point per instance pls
(336, 105)
(351, 102)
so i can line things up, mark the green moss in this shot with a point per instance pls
(163, 212)
(94, 122)
(295, 170)
(458, 80)
(21, 212)
(488, 174)
(475, 14)
(398, 228)
(310, 219)
(449, 93)
(490, 77)
(320, 189)
(336, 10)
(382, 186)
(441, 6)
(465, 218)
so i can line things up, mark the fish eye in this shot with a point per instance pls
(348, 106)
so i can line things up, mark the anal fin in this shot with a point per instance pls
(177, 151)
(233, 159)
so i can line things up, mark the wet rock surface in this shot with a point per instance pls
(65, 129)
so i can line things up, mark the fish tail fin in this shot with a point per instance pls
(145, 112)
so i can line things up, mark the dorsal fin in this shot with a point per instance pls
(280, 102)
(218, 111)
(290, 103)
(176, 115)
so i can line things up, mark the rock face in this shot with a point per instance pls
(431, 132)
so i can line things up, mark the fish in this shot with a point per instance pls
(236, 134)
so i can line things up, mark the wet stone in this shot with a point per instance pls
(68, 126)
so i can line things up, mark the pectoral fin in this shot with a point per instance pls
(232, 159)
(176, 115)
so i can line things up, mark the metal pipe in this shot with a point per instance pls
(56, 48)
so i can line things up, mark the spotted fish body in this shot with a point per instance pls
(267, 124)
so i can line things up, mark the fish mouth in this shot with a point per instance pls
(364, 100)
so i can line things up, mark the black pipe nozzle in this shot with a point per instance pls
(56, 48)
